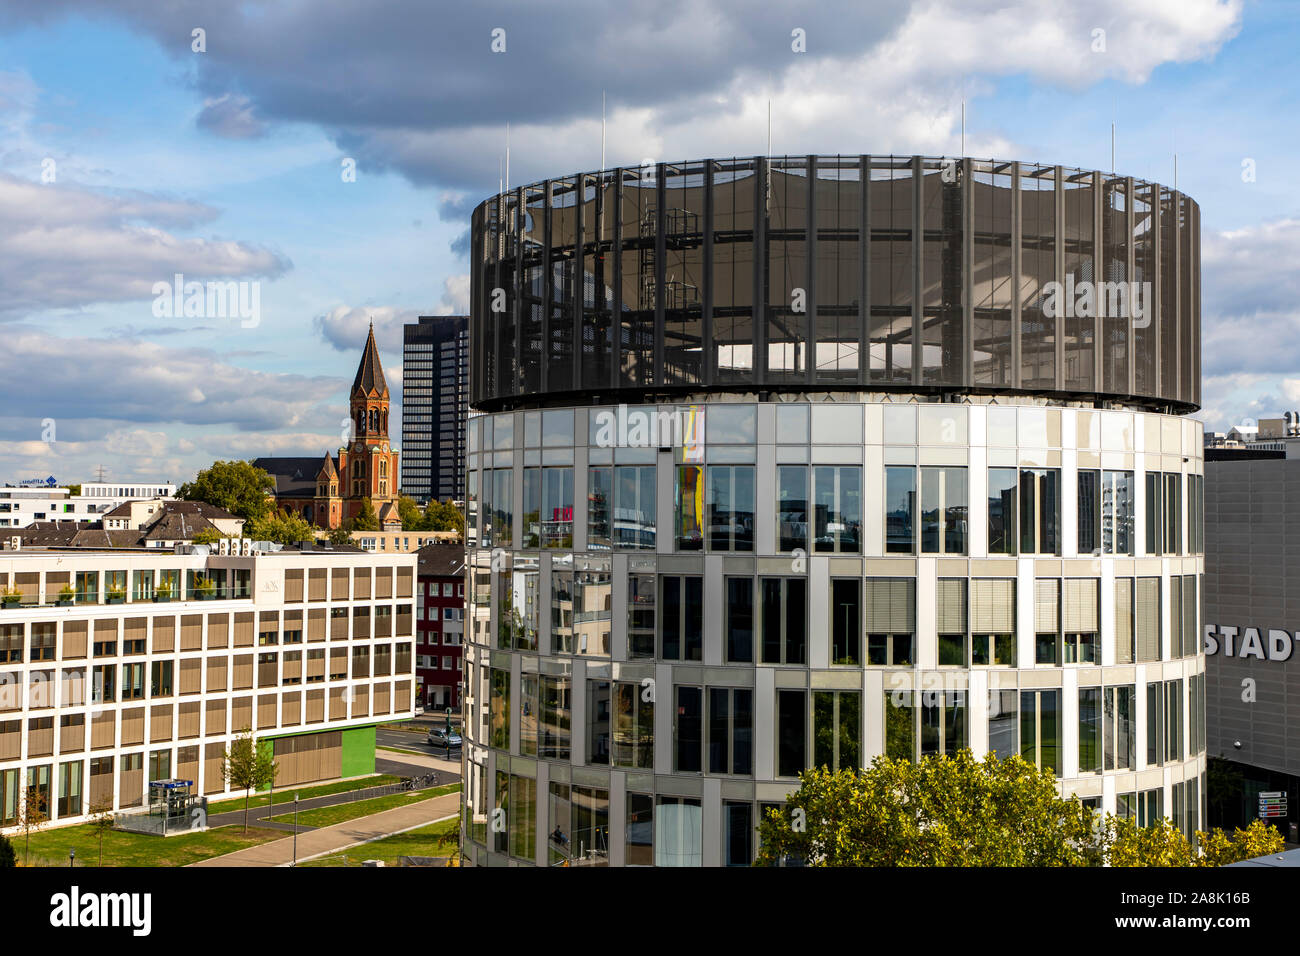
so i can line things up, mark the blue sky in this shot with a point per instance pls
(225, 164)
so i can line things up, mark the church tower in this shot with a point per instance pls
(368, 464)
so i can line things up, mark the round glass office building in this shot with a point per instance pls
(794, 462)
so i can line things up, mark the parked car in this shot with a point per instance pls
(441, 737)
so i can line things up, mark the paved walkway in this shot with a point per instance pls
(340, 836)
(284, 809)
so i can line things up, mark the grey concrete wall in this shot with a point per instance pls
(1252, 579)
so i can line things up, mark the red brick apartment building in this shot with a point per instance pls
(440, 626)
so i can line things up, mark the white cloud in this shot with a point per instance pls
(66, 246)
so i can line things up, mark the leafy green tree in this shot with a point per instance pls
(1258, 839)
(409, 512)
(443, 516)
(281, 528)
(248, 767)
(959, 811)
(339, 536)
(207, 536)
(1160, 844)
(234, 485)
(367, 520)
(8, 860)
(73, 490)
(940, 811)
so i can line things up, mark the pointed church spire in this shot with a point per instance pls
(370, 373)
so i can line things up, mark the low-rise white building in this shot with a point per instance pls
(20, 506)
(122, 667)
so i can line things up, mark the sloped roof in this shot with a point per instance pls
(442, 560)
(328, 468)
(178, 526)
(370, 373)
(68, 534)
(294, 477)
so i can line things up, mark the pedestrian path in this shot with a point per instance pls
(284, 809)
(340, 836)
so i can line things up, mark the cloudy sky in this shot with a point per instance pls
(128, 156)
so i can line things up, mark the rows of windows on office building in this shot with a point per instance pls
(925, 509)
(903, 580)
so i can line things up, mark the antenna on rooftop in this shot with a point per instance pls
(602, 131)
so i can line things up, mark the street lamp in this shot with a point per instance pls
(295, 829)
(72, 857)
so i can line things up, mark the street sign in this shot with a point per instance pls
(1272, 803)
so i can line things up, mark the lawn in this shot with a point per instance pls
(50, 847)
(326, 816)
(286, 796)
(421, 842)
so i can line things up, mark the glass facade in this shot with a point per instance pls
(756, 588)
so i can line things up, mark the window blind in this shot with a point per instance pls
(1147, 618)
(1080, 605)
(993, 605)
(891, 605)
(1047, 605)
(950, 598)
(1124, 620)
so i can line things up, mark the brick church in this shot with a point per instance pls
(329, 491)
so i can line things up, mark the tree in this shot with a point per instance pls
(31, 815)
(444, 516)
(940, 811)
(339, 536)
(7, 858)
(234, 485)
(281, 528)
(207, 536)
(74, 491)
(101, 821)
(959, 811)
(367, 520)
(248, 767)
(1258, 839)
(1161, 844)
(409, 512)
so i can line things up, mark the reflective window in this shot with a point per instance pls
(681, 618)
(846, 621)
(730, 503)
(783, 620)
(738, 646)
(792, 507)
(1119, 740)
(791, 730)
(837, 729)
(837, 505)
(640, 615)
(943, 510)
(1004, 717)
(900, 510)
(730, 743)
(1040, 729)
(690, 508)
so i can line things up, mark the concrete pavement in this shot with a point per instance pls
(340, 836)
